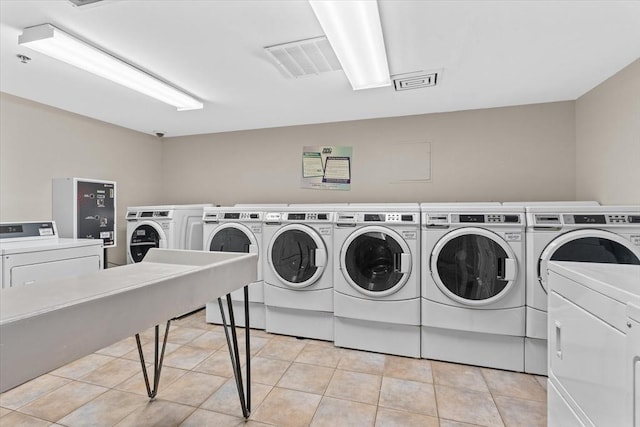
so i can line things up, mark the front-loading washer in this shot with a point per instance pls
(377, 278)
(473, 292)
(602, 234)
(31, 252)
(298, 271)
(236, 229)
(167, 226)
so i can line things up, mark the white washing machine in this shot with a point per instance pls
(607, 234)
(377, 278)
(591, 367)
(31, 252)
(473, 288)
(237, 229)
(298, 271)
(168, 226)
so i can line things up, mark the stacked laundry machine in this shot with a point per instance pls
(298, 271)
(570, 231)
(473, 288)
(377, 278)
(167, 226)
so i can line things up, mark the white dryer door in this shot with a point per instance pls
(587, 246)
(232, 237)
(145, 235)
(375, 261)
(473, 266)
(297, 255)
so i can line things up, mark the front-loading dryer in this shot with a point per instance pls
(169, 226)
(298, 271)
(599, 234)
(237, 229)
(377, 278)
(473, 292)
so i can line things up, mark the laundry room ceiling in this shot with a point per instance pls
(488, 54)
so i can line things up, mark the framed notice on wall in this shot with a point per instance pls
(326, 167)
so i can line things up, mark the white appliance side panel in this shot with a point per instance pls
(390, 338)
(28, 274)
(300, 323)
(320, 300)
(633, 360)
(193, 234)
(508, 321)
(256, 293)
(586, 355)
(256, 313)
(472, 348)
(405, 312)
(559, 412)
(536, 324)
(535, 356)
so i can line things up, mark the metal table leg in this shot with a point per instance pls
(157, 363)
(232, 343)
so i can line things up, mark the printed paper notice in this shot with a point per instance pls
(326, 168)
(337, 169)
(312, 164)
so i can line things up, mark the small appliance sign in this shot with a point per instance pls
(410, 235)
(635, 239)
(513, 237)
(325, 231)
(326, 167)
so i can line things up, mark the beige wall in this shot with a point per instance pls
(501, 154)
(608, 140)
(38, 143)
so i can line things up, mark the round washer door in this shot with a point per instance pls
(473, 266)
(375, 261)
(233, 237)
(145, 236)
(587, 246)
(297, 255)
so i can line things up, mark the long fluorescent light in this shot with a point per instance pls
(355, 33)
(54, 42)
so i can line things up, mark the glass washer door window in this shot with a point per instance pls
(144, 237)
(297, 255)
(376, 261)
(473, 266)
(587, 246)
(233, 238)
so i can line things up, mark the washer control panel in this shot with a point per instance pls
(374, 217)
(231, 216)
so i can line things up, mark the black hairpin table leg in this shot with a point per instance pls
(232, 343)
(157, 362)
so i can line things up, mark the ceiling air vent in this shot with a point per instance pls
(305, 57)
(415, 80)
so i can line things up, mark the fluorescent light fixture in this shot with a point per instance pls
(355, 33)
(57, 44)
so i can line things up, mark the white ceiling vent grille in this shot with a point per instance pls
(415, 80)
(305, 57)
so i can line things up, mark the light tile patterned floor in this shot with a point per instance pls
(296, 382)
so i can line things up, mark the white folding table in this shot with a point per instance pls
(46, 325)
